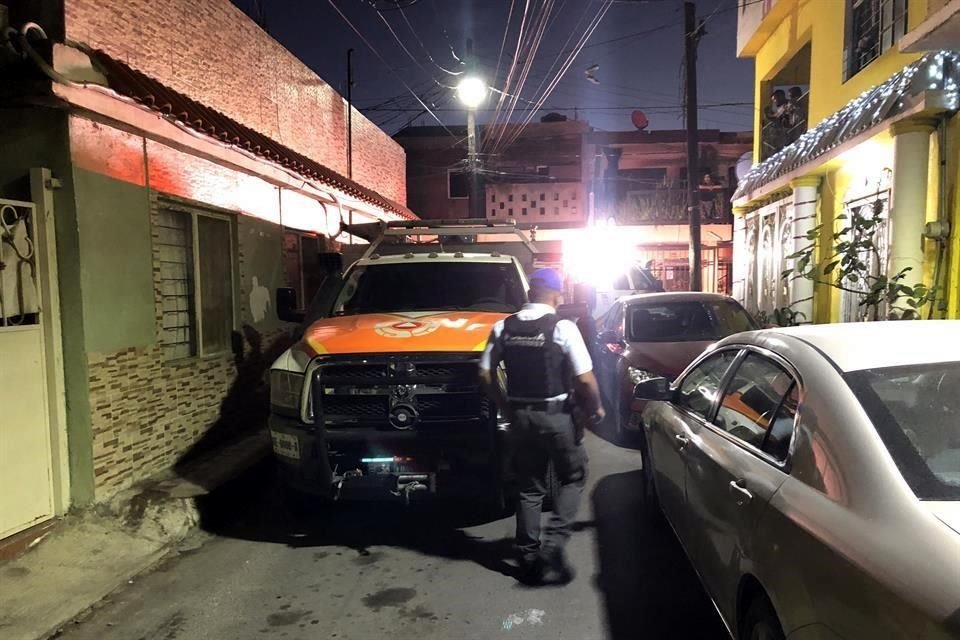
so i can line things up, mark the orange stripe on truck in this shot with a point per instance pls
(447, 331)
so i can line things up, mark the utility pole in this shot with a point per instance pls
(692, 33)
(350, 113)
(473, 164)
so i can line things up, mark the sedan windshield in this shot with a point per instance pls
(916, 410)
(686, 321)
(431, 286)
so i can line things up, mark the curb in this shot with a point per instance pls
(93, 553)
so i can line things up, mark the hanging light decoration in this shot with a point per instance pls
(939, 71)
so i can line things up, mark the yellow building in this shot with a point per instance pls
(856, 114)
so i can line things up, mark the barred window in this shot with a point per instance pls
(196, 283)
(875, 26)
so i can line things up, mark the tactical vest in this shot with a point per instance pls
(536, 365)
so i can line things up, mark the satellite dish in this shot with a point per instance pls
(639, 120)
(744, 164)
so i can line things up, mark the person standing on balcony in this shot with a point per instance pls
(796, 114)
(709, 196)
(774, 127)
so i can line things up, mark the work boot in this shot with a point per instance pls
(532, 567)
(557, 571)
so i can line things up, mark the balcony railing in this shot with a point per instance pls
(783, 125)
(668, 205)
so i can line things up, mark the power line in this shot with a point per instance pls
(386, 64)
(592, 27)
(403, 46)
(579, 108)
(424, 48)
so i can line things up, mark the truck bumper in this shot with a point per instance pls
(355, 463)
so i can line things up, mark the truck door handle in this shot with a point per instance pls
(682, 439)
(741, 494)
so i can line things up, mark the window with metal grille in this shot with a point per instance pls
(196, 282)
(457, 184)
(874, 27)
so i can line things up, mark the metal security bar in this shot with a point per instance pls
(19, 295)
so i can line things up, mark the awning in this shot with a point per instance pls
(143, 89)
(935, 72)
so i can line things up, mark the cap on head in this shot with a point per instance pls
(547, 279)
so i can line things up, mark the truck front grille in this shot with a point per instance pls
(363, 392)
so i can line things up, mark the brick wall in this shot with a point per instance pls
(212, 52)
(147, 413)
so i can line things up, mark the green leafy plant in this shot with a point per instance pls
(781, 317)
(850, 267)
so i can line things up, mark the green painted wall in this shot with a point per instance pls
(38, 137)
(116, 266)
(261, 272)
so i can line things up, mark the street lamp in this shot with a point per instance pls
(472, 91)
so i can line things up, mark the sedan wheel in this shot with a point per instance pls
(761, 622)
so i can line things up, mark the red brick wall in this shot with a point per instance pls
(210, 51)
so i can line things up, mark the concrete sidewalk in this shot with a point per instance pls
(92, 553)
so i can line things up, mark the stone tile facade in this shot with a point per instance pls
(147, 413)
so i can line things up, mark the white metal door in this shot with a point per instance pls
(25, 454)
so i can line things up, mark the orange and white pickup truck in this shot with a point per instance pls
(381, 397)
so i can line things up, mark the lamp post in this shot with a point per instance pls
(472, 91)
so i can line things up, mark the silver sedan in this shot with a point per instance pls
(812, 475)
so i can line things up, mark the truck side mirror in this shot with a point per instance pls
(287, 306)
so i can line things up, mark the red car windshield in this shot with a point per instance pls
(686, 321)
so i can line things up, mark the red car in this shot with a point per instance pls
(657, 335)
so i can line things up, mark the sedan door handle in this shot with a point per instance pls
(740, 491)
(682, 439)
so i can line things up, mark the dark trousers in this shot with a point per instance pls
(540, 437)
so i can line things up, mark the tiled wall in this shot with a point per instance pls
(146, 413)
(213, 53)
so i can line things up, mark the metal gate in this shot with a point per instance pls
(26, 475)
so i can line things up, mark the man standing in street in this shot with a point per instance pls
(547, 368)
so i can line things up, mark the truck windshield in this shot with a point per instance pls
(916, 411)
(431, 286)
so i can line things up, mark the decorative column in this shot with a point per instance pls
(806, 194)
(908, 211)
(740, 259)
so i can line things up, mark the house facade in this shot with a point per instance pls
(857, 139)
(164, 167)
(562, 175)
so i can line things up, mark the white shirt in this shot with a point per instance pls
(566, 336)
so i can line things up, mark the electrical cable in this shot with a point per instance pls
(424, 48)
(538, 28)
(571, 58)
(387, 65)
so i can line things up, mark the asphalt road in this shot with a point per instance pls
(369, 571)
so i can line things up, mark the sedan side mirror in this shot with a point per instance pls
(612, 342)
(653, 389)
(287, 306)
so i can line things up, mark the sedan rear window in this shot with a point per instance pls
(916, 411)
(686, 321)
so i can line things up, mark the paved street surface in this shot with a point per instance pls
(369, 571)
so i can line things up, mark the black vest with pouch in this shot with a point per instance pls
(536, 365)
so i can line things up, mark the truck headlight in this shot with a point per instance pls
(286, 389)
(639, 375)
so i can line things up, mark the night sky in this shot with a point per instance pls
(639, 71)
